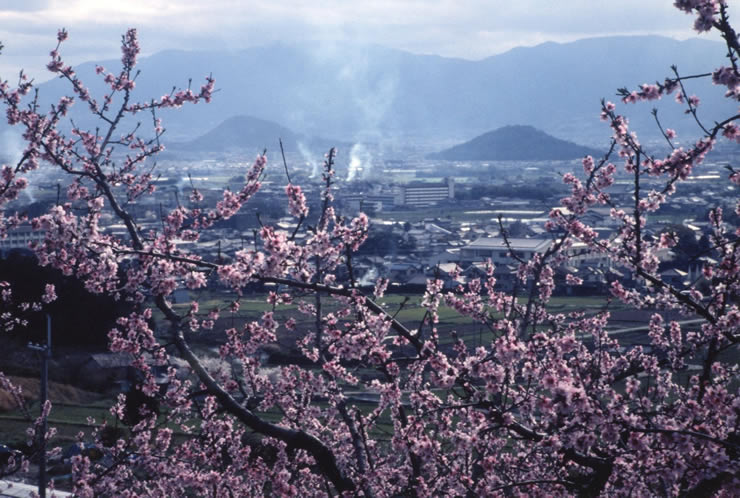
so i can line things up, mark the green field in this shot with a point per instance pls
(406, 308)
(68, 418)
(71, 418)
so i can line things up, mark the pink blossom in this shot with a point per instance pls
(49, 294)
(518, 395)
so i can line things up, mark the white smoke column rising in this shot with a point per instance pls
(309, 158)
(368, 278)
(12, 150)
(360, 162)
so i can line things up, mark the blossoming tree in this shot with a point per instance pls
(552, 405)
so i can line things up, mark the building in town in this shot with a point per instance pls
(419, 194)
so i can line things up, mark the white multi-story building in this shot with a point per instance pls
(21, 238)
(424, 194)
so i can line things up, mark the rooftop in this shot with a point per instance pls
(22, 490)
(516, 244)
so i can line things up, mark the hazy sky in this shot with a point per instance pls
(470, 29)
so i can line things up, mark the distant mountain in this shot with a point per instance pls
(247, 133)
(514, 143)
(360, 92)
(241, 132)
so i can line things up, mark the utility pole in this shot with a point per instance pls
(45, 351)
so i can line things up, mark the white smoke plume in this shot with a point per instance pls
(360, 162)
(11, 152)
(11, 147)
(310, 160)
(368, 278)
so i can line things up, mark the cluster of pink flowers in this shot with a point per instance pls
(129, 49)
(296, 201)
(706, 12)
(548, 404)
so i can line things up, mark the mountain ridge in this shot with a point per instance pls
(252, 134)
(359, 90)
(514, 143)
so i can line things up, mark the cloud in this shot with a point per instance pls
(472, 29)
(24, 5)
